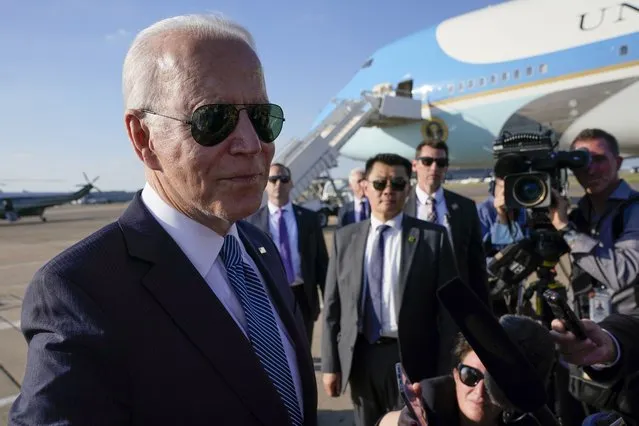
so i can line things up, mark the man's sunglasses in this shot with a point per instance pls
(396, 184)
(281, 178)
(212, 124)
(469, 376)
(428, 161)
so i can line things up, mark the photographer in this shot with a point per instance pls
(610, 359)
(603, 232)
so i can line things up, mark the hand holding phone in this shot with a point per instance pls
(562, 311)
(413, 402)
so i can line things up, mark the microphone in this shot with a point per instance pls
(513, 382)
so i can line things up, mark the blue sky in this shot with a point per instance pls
(60, 102)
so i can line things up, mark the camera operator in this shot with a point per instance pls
(610, 358)
(602, 232)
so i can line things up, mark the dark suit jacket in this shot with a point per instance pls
(122, 330)
(427, 264)
(312, 250)
(467, 239)
(346, 214)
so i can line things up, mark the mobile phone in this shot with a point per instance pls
(562, 311)
(413, 402)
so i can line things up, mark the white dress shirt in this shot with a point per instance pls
(443, 218)
(392, 262)
(202, 247)
(293, 235)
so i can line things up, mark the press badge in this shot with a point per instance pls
(600, 305)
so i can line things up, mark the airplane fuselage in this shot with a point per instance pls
(517, 66)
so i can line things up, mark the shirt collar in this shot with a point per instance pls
(395, 222)
(422, 196)
(623, 192)
(200, 244)
(272, 208)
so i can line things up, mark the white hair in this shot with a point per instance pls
(142, 84)
(355, 171)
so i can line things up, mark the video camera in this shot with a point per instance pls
(531, 167)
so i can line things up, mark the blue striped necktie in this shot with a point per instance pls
(263, 331)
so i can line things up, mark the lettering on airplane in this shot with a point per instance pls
(588, 21)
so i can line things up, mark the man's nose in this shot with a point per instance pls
(244, 137)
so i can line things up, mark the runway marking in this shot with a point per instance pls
(17, 265)
(8, 400)
(10, 325)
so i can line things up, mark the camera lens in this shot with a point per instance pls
(529, 190)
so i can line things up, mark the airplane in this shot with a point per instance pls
(521, 65)
(23, 204)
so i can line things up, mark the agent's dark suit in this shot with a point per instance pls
(346, 213)
(465, 231)
(426, 264)
(122, 330)
(313, 255)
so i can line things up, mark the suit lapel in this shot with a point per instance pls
(186, 297)
(411, 237)
(302, 235)
(263, 217)
(266, 263)
(410, 208)
(357, 261)
(456, 219)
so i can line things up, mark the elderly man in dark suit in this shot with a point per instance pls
(298, 235)
(380, 303)
(176, 313)
(359, 209)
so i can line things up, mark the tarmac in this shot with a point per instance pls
(28, 244)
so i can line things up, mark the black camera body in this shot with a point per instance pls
(532, 168)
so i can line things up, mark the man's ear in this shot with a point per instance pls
(140, 137)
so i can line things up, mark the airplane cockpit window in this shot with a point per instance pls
(623, 50)
(405, 88)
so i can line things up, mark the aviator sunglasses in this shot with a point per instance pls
(428, 161)
(212, 124)
(281, 178)
(396, 184)
(469, 376)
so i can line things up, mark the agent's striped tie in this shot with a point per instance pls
(263, 331)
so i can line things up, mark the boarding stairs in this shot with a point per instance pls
(317, 153)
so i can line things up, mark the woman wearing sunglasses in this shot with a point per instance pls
(461, 398)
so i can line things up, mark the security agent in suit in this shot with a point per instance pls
(297, 233)
(429, 201)
(358, 209)
(164, 316)
(380, 304)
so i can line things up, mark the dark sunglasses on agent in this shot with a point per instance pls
(428, 161)
(281, 178)
(469, 376)
(396, 184)
(212, 124)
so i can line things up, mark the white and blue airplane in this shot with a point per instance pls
(519, 65)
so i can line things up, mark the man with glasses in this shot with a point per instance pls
(380, 295)
(358, 209)
(300, 240)
(178, 312)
